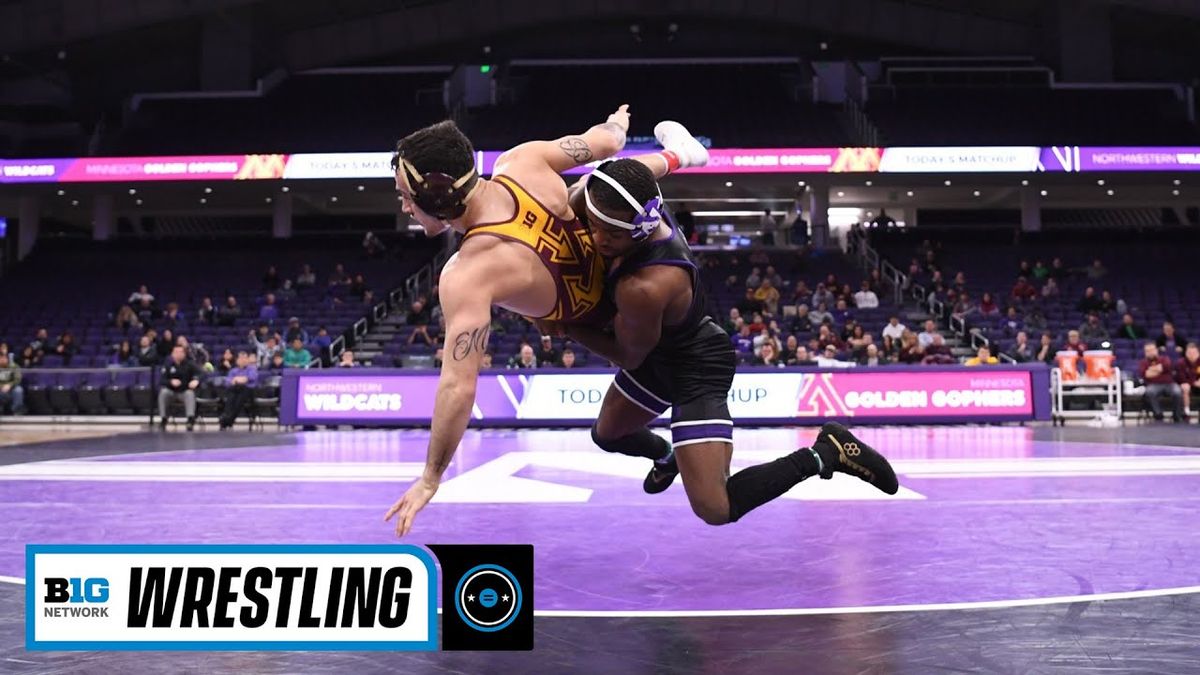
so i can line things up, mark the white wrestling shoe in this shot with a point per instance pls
(677, 139)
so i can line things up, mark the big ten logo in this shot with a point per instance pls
(76, 589)
(747, 394)
(580, 396)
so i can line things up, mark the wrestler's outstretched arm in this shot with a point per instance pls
(598, 143)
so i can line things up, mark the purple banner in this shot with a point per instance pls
(1073, 158)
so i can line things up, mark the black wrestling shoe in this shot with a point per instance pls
(841, 451)
(661, 475)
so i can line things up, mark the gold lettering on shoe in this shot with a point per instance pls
(845, 452)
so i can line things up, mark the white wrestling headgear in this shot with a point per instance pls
(649, 215)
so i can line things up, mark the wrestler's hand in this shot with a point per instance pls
(418, 495)
(620, 117)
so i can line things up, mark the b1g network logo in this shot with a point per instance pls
(265, 597)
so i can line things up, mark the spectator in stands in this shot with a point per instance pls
(768, 357)
(1107, 304)
(438, 357)
(239, 388)
(270, 281)
(858, 341)
(196, 353)
(768, 295)
(486, 360)
(1159, 377)
(1090, 301)
(1025, 270)
(372, 246)
(865, 298)
(731, 326)
(938, 352)
(126, 318)
(983, 357)
(1130, 330)
(123, 356)
(801, 293)
(1092, 330)
(174, 319)
(286, 293)
(820, 316)
(750, 304)
(988, 306)
(226, 363)
(179, 380)
(568, 358)
(29, 358)
(1187, 373)
(875, 283)
(230, 313)
(276, 365)
(754, 280)
(802, 322)
(1097, 271)
(1022, 351)
(207, 314)
(147, 352)
(963, 307)
(1035, 320)
(822, 296)
(1050, 290)
(296, 355)
(1040, 271)
(1012, 322)
(166, 342)
(548, 355)
(322, 339)
(768, 225)
(926, 337)
(294, 331)
(524, 359)
(307, 278)
(871, 357)
(12, 395)
(146, 312)
(40, 342)
(827, 338)
(66, 347)
(339, 277)
(418, 317)
(1057, 270)
(773, 276)
(802, 357)
(358, 287)
(1170, 343)
(892, 333)
(269, 311)
(140, 295)
(743, 342)
(789, 349)
(1046, 351)
(346, 360)
(1075, 343)
(1023, 291)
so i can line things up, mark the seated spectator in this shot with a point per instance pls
(173, 319)
(802, 357)
(346, 360)
(524, 359)
(988, 306)
(1187, 373)
(1025, 270)
(768, 357)
(1097, 271)
(1092, 330)
(1090, 302)
(875, 282)
(1012, 322)
(892, 333)
(548, 355)
(1040, 271)
(820, 316)
(731, 326)
(1035, 320)
(773, 276)
(146, 312)
(147, 353)
(1170, 343)
(1075, 343)
(938, 352)
(743, 342)
(963, 307)
(1107, 304)
(307, 278)
(871, 357)
(322, 339)
(568, 358)
(926, 336)
(358, 287)
(1022, 351)
(207, 314)
(485, 361)
(1058, 270)
(269, 311)
(270, 281)
(749, 304)
(12, 395)
(829, 358)
(419, 317)
(757, 323)
(801, 293)
(1159, 377)
(276, 365)
(754, 280)
(339, 277)
(1023, 291)
(127, 318)
(178, 380)
(142, 294)
(865, 298)
(239, 388)
(166, 342)
(768, 295)
(226, 363)
(286, 293)
(1130, 330)
(1050, 290)
(858, 341)
(822, 296)
(372, 246)
(789, 349)
(40, 343)
(265, 349)
(29, 358)
(1046, 352)
(439, 357)
(123, 357)
(983, 357)
(802, 322)
(294, 331)
(229, 313)
(66, 347)
(827, 338)
(296, 355)
(196, 353)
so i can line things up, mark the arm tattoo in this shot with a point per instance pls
(577, 149)
(471, 341)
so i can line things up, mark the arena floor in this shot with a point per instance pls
(1008, 549)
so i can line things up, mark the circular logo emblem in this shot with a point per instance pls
(488, 598)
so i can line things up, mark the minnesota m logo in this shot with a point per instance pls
(258, 167)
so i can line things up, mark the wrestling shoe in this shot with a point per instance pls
(839, 450)
(675, 138)
(661, 475)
